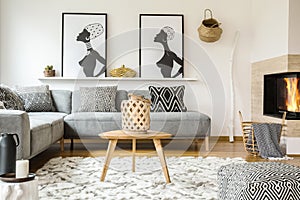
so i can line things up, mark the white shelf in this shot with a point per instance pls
(57, 78)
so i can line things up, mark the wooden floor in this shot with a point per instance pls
(219, 148)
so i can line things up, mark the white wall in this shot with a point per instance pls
(0, 37)
(294, 27)
(31, 38)
(270, 29)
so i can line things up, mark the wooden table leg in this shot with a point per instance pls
(133, 154)
(110, 150)
(206, 143)
(161, 156)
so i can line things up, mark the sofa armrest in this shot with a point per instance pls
(16, 121)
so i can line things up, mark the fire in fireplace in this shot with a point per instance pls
(281, 94)
(293, 97)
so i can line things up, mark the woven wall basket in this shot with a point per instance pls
(209, 30)
(135, 114)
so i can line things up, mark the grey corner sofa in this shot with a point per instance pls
(38, 130)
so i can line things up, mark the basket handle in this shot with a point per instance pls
(210, 12)
(283, 118)
(215, 25)
(241, 116)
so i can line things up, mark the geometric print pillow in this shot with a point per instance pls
(98, 99)
(36, 102)
(167, 99)
(36, 98)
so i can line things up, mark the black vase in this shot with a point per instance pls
(8, 148)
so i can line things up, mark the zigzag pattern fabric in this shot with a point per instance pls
(267, 136)
(259, 180)
(167, 99)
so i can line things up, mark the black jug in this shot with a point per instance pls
(8, 149)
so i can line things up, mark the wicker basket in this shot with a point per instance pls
(209, 30)
(249, 140)
(135, 114)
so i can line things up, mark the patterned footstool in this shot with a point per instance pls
(259, 180)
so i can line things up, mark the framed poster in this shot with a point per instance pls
(84, 44)
(161, 46)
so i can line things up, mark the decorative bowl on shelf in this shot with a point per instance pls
(122, 72)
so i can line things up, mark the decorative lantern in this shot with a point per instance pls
(135, 114)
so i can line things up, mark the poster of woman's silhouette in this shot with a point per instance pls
(84, 45)
(161, 46)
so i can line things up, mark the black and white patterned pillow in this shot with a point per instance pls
(10, 99)
(36, 98)
(167, 99)
(98, 99)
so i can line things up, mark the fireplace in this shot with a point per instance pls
(282, 94)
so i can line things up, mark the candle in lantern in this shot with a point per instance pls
(22, 168)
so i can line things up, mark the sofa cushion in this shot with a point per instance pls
(54, 119)
(180, 124)
(40, 135)
(190, 124)
(90, 124)
(121, 95)
(36, 98)
(98, 99)
(10, 99)
(167, 99)
(62, 100)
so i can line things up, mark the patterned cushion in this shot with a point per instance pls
(258, 180)
(10, 99)
(36, 98)
(167, 99)
(98, 99)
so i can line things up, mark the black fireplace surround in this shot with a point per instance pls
(276, 94)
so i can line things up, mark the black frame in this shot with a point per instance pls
(140, 37)
(63, 36)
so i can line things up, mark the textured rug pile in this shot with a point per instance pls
(79, 178)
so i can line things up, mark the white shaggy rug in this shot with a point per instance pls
(79, 178)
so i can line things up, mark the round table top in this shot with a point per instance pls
(122, 135)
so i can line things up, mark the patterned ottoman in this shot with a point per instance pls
(259, 180)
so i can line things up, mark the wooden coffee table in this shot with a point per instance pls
(114, 136)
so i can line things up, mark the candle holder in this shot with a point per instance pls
(135, 114)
